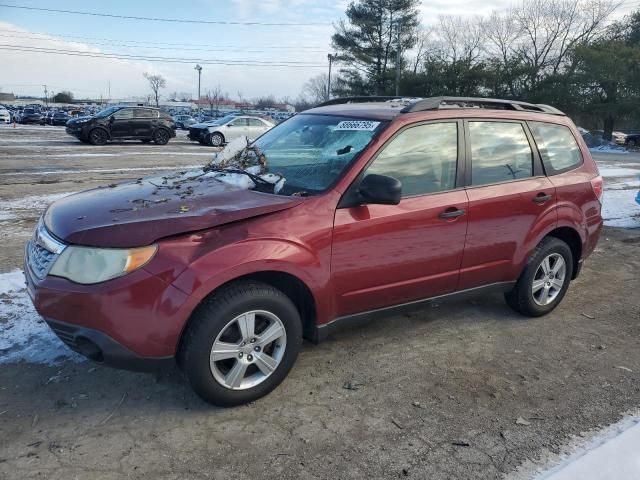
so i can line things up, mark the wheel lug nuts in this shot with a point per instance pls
(250, 357)
(253, 340)
(256, 348)
(240, 355)
(243, 344)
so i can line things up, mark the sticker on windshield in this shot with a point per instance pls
(357, 125)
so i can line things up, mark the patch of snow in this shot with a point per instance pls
(94, 170)
(611, 453)
(24, 336)
(623, 185)
(609, 149)
(121, 154)
(21, 207)
(619, 209)
(614, 172)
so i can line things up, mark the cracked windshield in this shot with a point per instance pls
(302, 156)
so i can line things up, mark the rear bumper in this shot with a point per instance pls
(103, 349)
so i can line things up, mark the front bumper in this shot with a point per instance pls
(132, 322)
(75, 130)
(103, 349)
(197, 134)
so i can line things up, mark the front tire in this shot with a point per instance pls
(98, 136)
(216, 139)
(544, 281)
(241, 343)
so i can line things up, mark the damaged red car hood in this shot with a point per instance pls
(139, 213)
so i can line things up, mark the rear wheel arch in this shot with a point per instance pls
(290, 285)
(572, 238)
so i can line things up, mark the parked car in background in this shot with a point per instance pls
(5, 116)
(30, 115)
(58, 118)
(184, 121)
(124, 123)
(632, 140)
(353, 210)
(218, 132)
(44, 119)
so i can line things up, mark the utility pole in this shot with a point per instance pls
(46, 98)
(109, 99)
(332, 58)
(199, 69)
(398, 61)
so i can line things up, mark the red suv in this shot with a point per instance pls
(379, 205)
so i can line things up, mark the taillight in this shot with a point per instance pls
(598, 187)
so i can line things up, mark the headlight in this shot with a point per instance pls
(88, 265)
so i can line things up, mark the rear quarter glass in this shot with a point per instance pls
(558, 147)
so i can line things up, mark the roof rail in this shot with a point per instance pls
(436, 103)
(364, 99)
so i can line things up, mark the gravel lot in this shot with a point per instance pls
(458, 391)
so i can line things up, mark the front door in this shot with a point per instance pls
(510, 199)
(121, 123)
(392, 254)
(237, 128)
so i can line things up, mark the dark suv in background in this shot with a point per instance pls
(124, 123)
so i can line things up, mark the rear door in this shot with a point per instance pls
(256, 128)
(143, 122)
(386, 255)
(510, 200)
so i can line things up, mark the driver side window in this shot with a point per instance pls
(423, 158)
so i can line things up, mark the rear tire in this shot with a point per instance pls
(161, 136)
(217, 322)
(98, 136)
(544, 281)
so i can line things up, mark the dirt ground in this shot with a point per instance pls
(459, 391)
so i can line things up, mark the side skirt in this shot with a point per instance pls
(323, 331)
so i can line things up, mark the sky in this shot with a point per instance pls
(303, 48)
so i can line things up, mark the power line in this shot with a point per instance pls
(137, 42)
(116, 43)
(245, 63)
(158, 19)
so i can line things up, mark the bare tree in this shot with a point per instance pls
(551, 28)
(213, 98)
(424, 43)
(156, 82)
(316, 88)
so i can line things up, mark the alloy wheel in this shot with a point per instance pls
(248, 350)
(549, 279)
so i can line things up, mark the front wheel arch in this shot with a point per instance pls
(293, 287)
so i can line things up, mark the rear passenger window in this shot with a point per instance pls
(500, 152)
(558, 147)
(145, 113)
(423, 158)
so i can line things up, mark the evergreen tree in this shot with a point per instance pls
(367, 42)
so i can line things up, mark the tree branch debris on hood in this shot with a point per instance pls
(242, 164)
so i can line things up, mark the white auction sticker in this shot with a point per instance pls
(357, 125)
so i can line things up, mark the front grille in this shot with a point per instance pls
(194, 133)
(42, 251)
(64, 333)
(40, 260)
